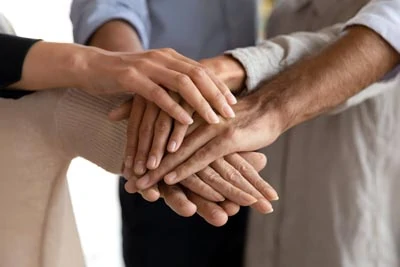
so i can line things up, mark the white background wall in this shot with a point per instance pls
(94, 192)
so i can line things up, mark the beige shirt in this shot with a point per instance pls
(337, 175)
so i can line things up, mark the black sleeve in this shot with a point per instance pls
(13, 51)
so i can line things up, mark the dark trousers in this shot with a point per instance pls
(154, 236)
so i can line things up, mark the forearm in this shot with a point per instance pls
(320, 83)
(116, 35)
(52, 65)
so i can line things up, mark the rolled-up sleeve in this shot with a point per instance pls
(382, 16)
(88, 15)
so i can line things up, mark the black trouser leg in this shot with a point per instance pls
(154, 236)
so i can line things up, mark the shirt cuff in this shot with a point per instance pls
(94, 15)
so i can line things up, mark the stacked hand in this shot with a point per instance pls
(215, 187)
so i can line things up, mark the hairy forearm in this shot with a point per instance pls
(321, 82)
(116, 35)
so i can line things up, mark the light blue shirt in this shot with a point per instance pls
(195, 28)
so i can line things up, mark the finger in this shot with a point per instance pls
(213, 150)
(230, 97)
(235, 178)
(193, 142)
(176, 199)
(122, 112)
(146, 133)
(252, 176)
(151, 194)
(228, 190)
(162, 131)
(229, 207)
(175, 79)
(155, 93)
(179, 132)
(201, 79)
(257, 160)
(208, 210)
(196, 185)
(136, 114)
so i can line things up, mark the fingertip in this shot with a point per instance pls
(212, 117)
(130, 187)
(152, 163)
(171, 178)
(189, 210)
(231, 98)
(185, 118)
(172, 146)
(264, 206)
(218, 218)
(151, 194)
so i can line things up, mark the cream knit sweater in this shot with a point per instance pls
(40, 135)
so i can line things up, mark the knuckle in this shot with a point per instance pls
(141, 64)
(168, 50)
(156, 92)
(127, 76)
(200, 154)
(197, 72)
(232, 176)
(243, 169)
(182, 80)
(145, 129)
(214, 177)
(163, 126)
(154, 54)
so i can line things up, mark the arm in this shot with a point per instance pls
(88, 16)
(84, 130)
(303, 91)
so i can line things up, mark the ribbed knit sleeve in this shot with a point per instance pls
(85, 130)
(13, 51)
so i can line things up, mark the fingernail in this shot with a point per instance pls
(143, 182)
(186, 119)
(231, 99)
(152, 162)
(266, 206)
(170, 178)
(248, 200)
(172, 146)
(140, 168)
(228, 111)
(129, 162)
(212, 117)
(273, 195)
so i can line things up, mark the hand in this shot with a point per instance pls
(149, 132)
(257, 124)
(186, 203)
(216, 182)
(147, 72)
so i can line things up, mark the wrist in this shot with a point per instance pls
(229, 70)
(270, 110)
